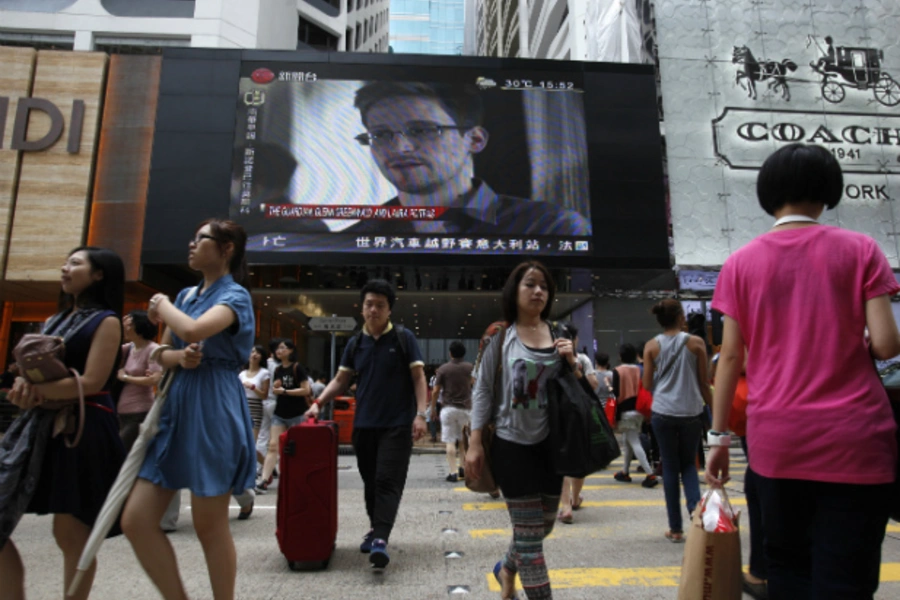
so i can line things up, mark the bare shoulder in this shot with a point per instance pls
(696, 344)
(110, 324)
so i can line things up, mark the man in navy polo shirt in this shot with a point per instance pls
(391, 397)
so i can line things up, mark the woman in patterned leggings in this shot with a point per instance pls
(515, 361)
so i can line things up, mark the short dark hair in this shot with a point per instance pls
(462, 102)
(602, 359)
(142, 324)
(457, 349)
(109, 291)
(380, 287)
(628, 354)
(273, 344)
(667, 312)
(799, 173)
(290, 346)
(511, 290)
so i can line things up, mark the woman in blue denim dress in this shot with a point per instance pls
(205, 440)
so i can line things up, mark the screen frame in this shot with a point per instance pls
(198, 109)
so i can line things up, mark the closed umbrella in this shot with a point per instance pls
(123, 483)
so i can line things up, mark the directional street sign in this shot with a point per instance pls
(332, 324)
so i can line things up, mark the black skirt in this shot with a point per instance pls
(75, 481)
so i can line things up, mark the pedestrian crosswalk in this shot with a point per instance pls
(603, 519)
(642, 576)
(590, 504)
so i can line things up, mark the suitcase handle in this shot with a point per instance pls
(290, 448)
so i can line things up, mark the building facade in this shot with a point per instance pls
(738, 84)
(594, 30)
(427, 26)
(146, 26)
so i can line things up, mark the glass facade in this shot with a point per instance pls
(427, 26)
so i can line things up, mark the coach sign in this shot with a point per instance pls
(25, 107)
(863, 142)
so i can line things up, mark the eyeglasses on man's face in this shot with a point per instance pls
(416, 134)
(200, 237)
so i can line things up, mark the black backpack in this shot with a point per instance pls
(353, 344)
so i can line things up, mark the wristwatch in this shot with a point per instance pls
(421, 414)
(717, 438)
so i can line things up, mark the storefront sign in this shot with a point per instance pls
(863, 143)
(24, 109)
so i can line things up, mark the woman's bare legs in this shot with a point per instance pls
(570, 498)
(272, 454)
(140, 521)
(71, 535)
(211, 522)
(577, 484)
(12, 573)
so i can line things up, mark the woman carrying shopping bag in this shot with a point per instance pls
(801, 298)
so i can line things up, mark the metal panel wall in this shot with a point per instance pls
(123, 158)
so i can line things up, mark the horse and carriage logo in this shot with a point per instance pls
(839, 68)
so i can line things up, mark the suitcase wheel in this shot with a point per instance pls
(294, 565)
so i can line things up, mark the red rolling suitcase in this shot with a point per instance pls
(306, 513)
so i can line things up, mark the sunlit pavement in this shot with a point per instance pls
(444, 545)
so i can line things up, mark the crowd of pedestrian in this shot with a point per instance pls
(231, 398)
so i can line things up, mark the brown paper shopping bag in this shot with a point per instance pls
(711, 569)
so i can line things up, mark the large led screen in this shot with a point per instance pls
(416, 158)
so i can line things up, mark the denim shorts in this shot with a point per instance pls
(287, 423)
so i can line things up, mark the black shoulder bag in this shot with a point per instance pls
(583, 439)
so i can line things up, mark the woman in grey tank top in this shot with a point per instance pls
(675, 370)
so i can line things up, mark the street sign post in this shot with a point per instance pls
(333, 325)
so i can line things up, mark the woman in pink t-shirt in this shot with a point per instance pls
(138, 374)
(800, 297)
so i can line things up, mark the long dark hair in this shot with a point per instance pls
(263, 356)
(109, 291)
(511, 290)
(223, 232)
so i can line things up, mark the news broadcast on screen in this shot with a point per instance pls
(399, 159)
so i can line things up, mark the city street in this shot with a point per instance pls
(444, 545)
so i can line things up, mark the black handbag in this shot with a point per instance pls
(582, 438)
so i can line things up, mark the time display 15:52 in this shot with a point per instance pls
(543, 84)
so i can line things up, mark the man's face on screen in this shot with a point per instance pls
(425, 163)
